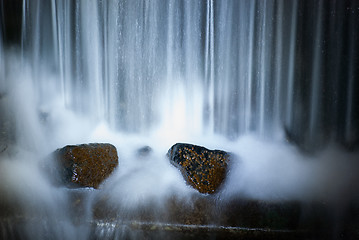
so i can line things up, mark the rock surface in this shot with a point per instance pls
(144, 151)
(202, 168)
(86, 165)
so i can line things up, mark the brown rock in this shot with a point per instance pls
(203, 169)
(86, 165)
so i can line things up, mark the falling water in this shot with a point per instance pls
(238, 75)
(229, 68)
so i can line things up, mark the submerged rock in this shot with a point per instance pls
(144, 151)
(86, 165)
(202, 168)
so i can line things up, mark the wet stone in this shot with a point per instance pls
(86, 165)
(144, 151)
(203, 169)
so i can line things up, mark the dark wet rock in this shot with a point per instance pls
(199, 217)
(202, 168)
(79, 201)
(157, 230)
(7, 126)
(3, 147)
(202, 210)
(86, 165)
(144, 151)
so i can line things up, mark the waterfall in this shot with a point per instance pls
(245, 76)
(203, 67)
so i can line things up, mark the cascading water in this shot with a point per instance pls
(234, 75)
(140, 65)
